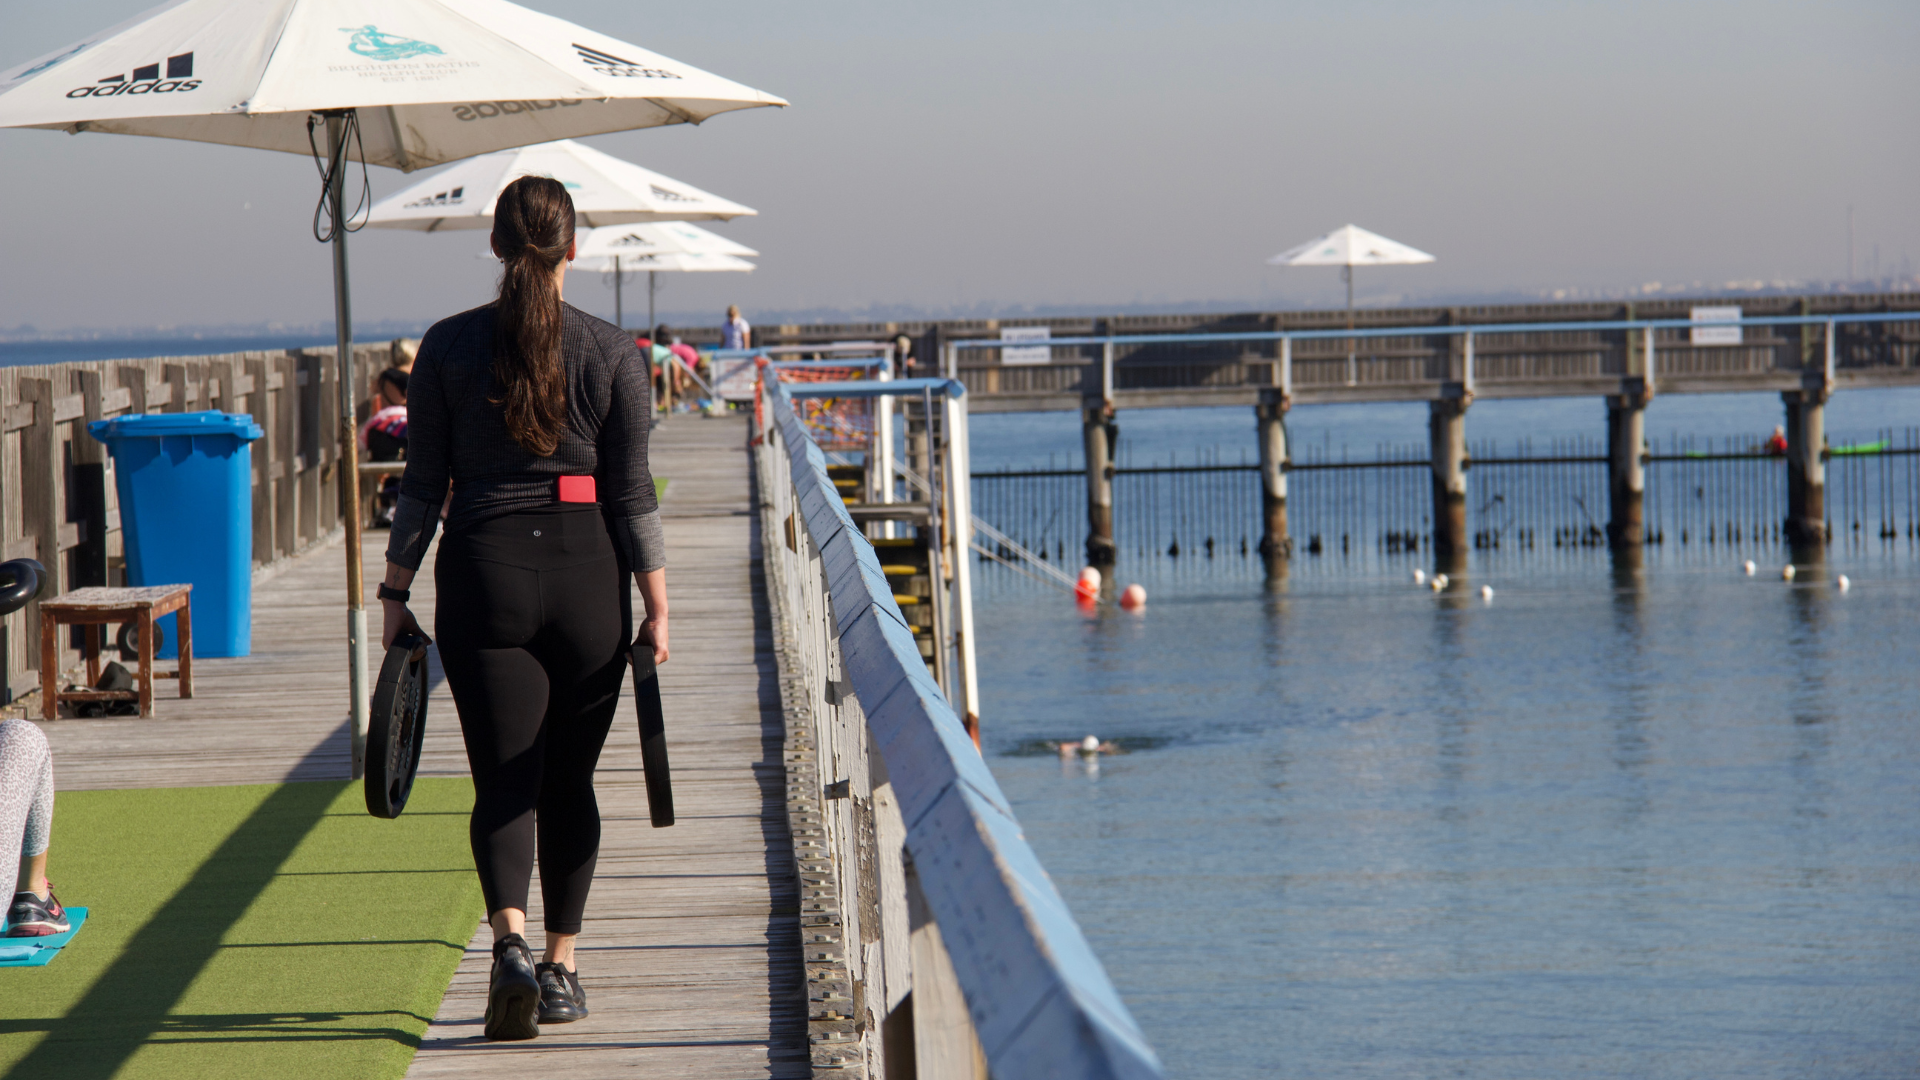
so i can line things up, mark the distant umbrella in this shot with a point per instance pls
(1347, 247)
(605, 191)
(667, 246)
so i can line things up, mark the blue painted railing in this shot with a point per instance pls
(1040, 1001)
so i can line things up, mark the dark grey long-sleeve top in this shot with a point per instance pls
(456, 434)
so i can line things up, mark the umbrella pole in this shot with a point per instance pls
(618, 319)
(349, 445)
(652, 284)
(1352, 367)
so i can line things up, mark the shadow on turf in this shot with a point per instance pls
(129, 1004)
(235, 1027)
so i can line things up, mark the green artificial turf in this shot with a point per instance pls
(260, 931)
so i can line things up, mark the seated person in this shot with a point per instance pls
(26, 826)
(384, 436)
(666, 346)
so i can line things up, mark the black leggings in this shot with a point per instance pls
(534, 617)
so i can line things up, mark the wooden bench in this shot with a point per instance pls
(96, 607)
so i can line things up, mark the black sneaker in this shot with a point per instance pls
(561, 999)
(31, 916)
(513, 998)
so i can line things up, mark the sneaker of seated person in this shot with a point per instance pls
(34, 916)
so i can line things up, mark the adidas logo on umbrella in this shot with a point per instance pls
(609, 64)
(145, 80)
(444, 198)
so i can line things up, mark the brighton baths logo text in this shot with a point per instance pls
(145, 80)
(609, 64)
(368, 41)
(50, 62)
(666, 195)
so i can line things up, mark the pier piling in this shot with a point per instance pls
(1447, 429)
(1806, 467)
(1626, 440)
(1099, 431)
(1274, 542)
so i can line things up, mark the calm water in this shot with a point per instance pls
(1610, 824)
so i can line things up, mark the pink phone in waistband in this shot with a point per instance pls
(577, 489)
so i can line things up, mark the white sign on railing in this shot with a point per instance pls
(1032, 354)
(733, 377)
(1716, 335)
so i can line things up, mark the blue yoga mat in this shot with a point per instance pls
(39, 951)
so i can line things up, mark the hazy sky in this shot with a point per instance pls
(1012, 154)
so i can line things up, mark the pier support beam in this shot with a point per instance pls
(1274, 542)
(1627, 476)
(1447, 429)
(1100, 433)
(1806, 523)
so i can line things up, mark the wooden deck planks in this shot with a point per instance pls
(691, 954)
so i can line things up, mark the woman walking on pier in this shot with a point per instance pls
(538, 415)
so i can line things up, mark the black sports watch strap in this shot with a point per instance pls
(388, 592)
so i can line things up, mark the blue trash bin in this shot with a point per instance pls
(185, 482)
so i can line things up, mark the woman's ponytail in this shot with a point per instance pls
(532, 232)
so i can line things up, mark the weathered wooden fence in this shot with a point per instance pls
(57, 497)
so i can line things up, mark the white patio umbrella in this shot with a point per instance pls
(408, 83)
(653, 263)
(666, 245)
(605, 191)
(1347, 247)
(659, 238)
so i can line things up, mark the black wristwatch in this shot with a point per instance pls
(388, 592)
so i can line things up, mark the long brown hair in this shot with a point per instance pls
(532, 232)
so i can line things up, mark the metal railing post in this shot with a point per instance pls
(1106, 371)
(883, 447)
(960, 526)
(1832, 352)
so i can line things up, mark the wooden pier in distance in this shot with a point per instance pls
(691, 953)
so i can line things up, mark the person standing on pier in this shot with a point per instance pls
(735, 333)
(537, 414)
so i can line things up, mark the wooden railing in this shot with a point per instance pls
(57, 497)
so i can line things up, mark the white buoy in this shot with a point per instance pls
(1486, 593)
(1087, 589)
(1748, 565)
(1786, 572)
(1843, 583)
(1134, 598)
(1419, 577)
(1440, 581)
(1090, 744)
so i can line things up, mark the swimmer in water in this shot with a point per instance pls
(1090, 746)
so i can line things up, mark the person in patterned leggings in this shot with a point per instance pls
(26, 826)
